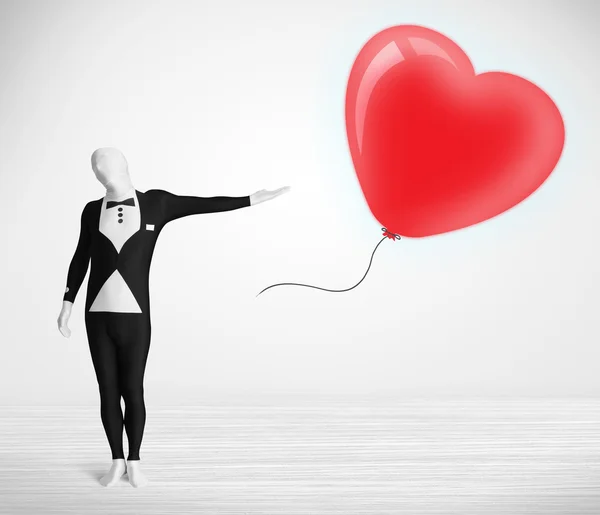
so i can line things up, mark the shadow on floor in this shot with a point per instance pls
(96, 470)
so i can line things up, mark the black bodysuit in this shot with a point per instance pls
(119, 341)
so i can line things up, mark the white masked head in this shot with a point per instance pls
(111, 169)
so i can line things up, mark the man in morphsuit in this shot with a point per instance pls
(118, 233)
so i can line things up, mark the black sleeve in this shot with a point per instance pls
(178, 206)
(80, 261)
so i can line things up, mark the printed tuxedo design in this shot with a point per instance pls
(120, 241)
(118, 222)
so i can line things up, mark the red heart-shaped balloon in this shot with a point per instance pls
(436, 147)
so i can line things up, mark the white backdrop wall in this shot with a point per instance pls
(228, 97)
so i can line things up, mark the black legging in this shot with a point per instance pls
(119, 344)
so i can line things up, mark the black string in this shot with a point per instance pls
(346, 289)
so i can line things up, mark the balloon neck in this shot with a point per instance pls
(389, 234)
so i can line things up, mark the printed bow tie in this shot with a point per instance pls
(126, 202)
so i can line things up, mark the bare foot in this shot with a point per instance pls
(114, 474)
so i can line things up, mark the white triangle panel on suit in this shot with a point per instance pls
(115, 296)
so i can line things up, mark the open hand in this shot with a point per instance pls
(63, 320)
(262, 195)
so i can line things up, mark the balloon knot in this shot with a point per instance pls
(390, 235)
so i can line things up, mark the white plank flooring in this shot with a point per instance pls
(314, 457)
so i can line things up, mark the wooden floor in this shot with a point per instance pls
(336, 457)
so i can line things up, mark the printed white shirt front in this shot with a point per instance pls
(118, 224)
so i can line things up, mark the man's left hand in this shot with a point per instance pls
(263, 195)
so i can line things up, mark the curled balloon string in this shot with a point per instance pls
(386, 234)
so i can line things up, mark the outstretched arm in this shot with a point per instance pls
(77, 270)
(178, 206)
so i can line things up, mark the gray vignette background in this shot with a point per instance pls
(228, 97)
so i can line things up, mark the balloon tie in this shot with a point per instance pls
(386, 234)
(390, 235)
